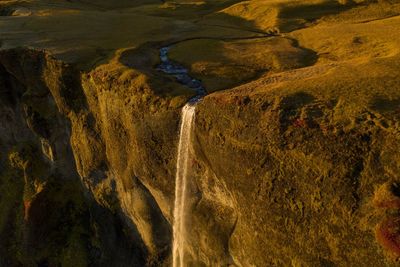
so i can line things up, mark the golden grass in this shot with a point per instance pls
(224, 64)
(92, 33)
(345, 41)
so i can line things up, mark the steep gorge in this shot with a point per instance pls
(295, 188)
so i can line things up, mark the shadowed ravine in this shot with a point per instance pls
(187, 121)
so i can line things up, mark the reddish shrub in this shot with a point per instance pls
(27, 205)
(392, 204)
(388, 235)
(300, 123)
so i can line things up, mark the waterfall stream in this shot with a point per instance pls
(179, 227)
(181, 74)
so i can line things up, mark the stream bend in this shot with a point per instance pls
(181, 74)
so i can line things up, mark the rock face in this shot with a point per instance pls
(286, 185)
(62, 202)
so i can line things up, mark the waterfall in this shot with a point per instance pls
(181, 74)
(179, 227)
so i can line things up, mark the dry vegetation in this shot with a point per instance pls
(91, 33)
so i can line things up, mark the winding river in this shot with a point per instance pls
(181, 74)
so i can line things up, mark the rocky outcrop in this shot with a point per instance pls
(60, 202)
(287, 173)
(289, 170)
